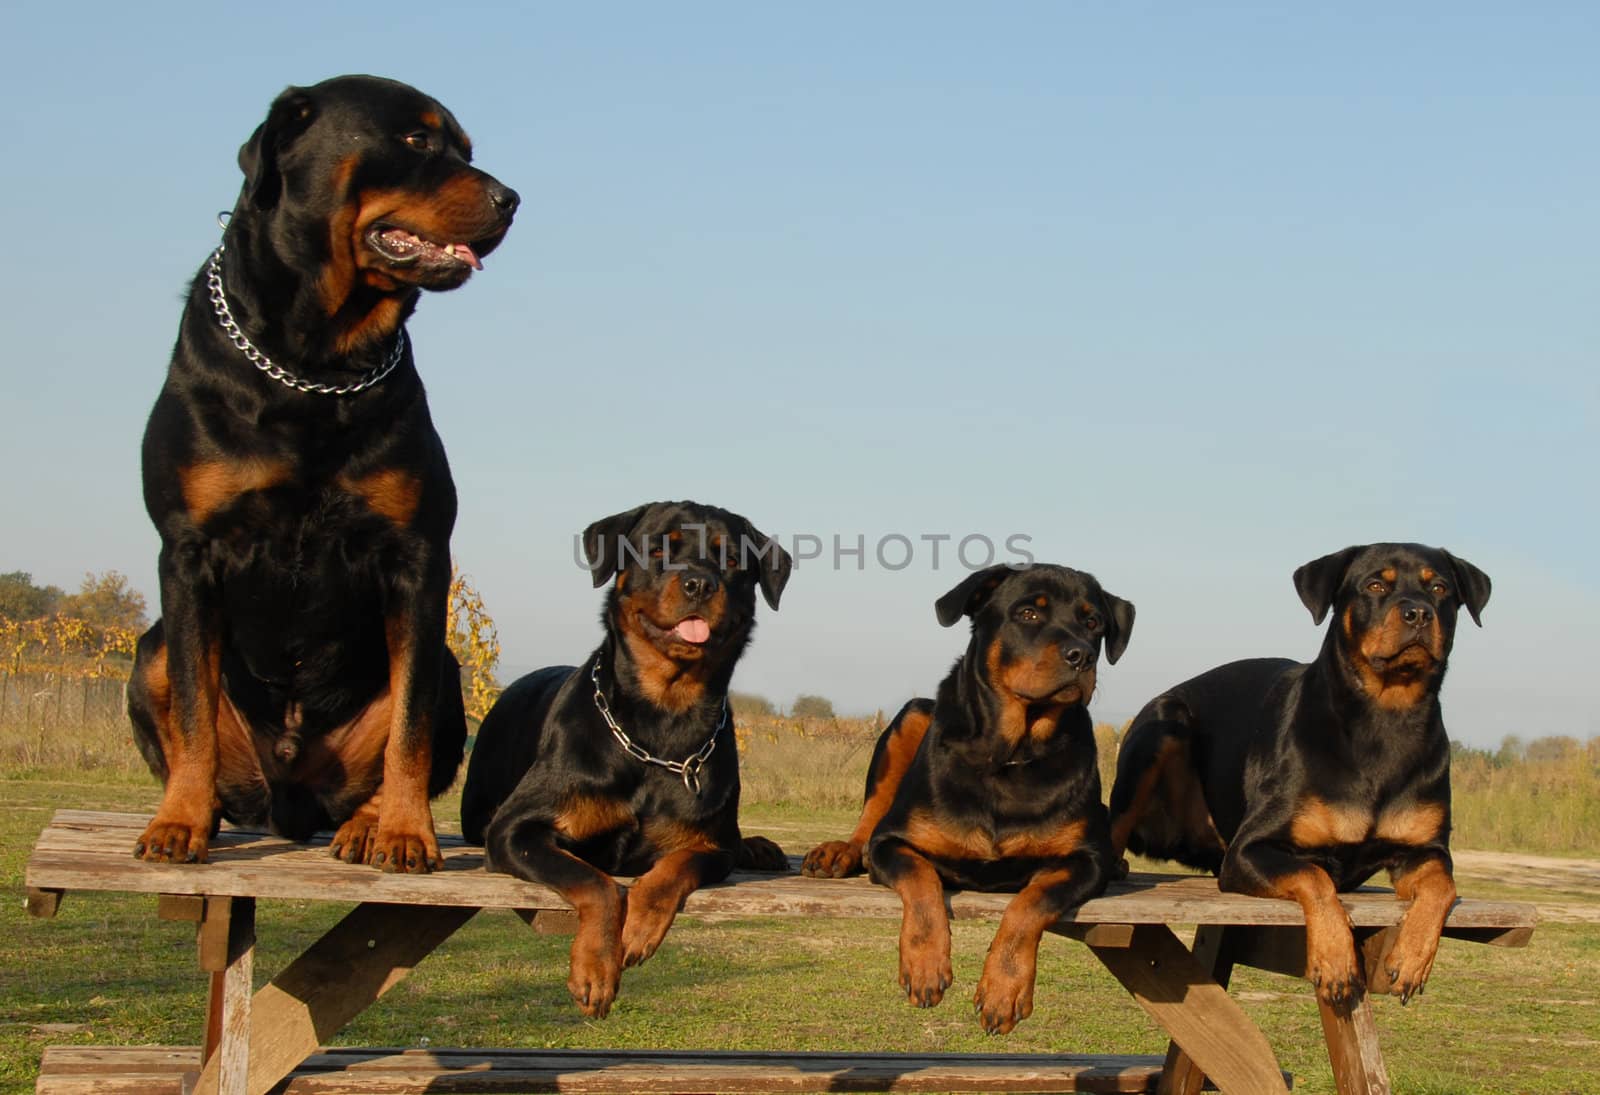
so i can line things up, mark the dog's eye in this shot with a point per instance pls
(1439, 589)
(420, 140)
(1092, 622)
(1376, 586)
(1029, 615)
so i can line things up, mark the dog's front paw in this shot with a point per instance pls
(925, 971)
(1005, 995)
(1332, 967)
(1404, 970)
(595, 972)
(832, 859)
(406, 850)
(356, 838)
(174, 840)
(757, 853)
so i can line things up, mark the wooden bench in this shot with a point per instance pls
(257, 1039)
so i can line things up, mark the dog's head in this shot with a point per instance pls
(1395, 611)
(684, 579)
(1039, 631)
(371, 182)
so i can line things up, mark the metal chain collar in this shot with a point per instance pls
(688, 769)
(219, 304)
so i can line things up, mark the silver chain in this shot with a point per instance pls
(688, 769)
(219, 305)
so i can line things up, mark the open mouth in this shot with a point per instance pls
(402, 247)
(693, 630)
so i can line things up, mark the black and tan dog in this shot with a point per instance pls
(298, 676)
(1300, 781)
(994, 785)
(628, 765)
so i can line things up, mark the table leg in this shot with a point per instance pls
(1353, 1051)
(339, 976)
(1180, 994)
(1180, 1075)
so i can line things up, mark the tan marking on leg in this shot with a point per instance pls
(1330, 945)
(181, 828)
(1004, 996)
(1431, 891)
(838, 858)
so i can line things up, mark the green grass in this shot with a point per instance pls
(105, 971)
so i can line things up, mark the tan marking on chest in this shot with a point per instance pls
(212, 485)
(583, 817)
(391, 493)
(670, 836)
(1415, 823)
(1318, 824)
(926, 834)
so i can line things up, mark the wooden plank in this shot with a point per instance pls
(358, 960)
(1180, 994)
(86, 850)
(1353, 1049)
(148, 1070)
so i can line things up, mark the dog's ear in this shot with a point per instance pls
(775, 562)
(290, 116)
(1318, 581)
(1472, 585)
(1119, 627)
(971, 594)
(603, 540)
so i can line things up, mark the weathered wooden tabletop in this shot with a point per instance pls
(91, 850)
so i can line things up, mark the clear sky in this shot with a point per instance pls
(1186, 294)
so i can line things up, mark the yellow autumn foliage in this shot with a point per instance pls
(471, 634)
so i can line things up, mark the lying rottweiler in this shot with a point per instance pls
(298, 677)
(1300, 781)
(994, 785)
(627, 764)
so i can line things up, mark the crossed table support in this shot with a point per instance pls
(256, 1037)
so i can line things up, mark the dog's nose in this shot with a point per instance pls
(1415, 615)
(504, 199)
(1079, 657)
(698, 586)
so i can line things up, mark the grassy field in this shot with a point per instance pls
(106, 971)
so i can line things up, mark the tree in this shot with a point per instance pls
(748, 705)
(106, 600)
(812, 707)
(20, 599)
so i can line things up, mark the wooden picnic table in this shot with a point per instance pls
(256, 1038)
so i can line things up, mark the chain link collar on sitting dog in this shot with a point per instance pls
(219, 305)
(688, 769)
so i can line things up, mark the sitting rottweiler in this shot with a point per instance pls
(994, 785)
(1300, 781)
(627, 764)
(298, 677)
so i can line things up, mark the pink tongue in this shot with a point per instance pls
(693, 630)
(462, 251)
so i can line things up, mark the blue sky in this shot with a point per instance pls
(1186, 295)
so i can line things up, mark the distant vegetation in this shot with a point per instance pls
(63, 668)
